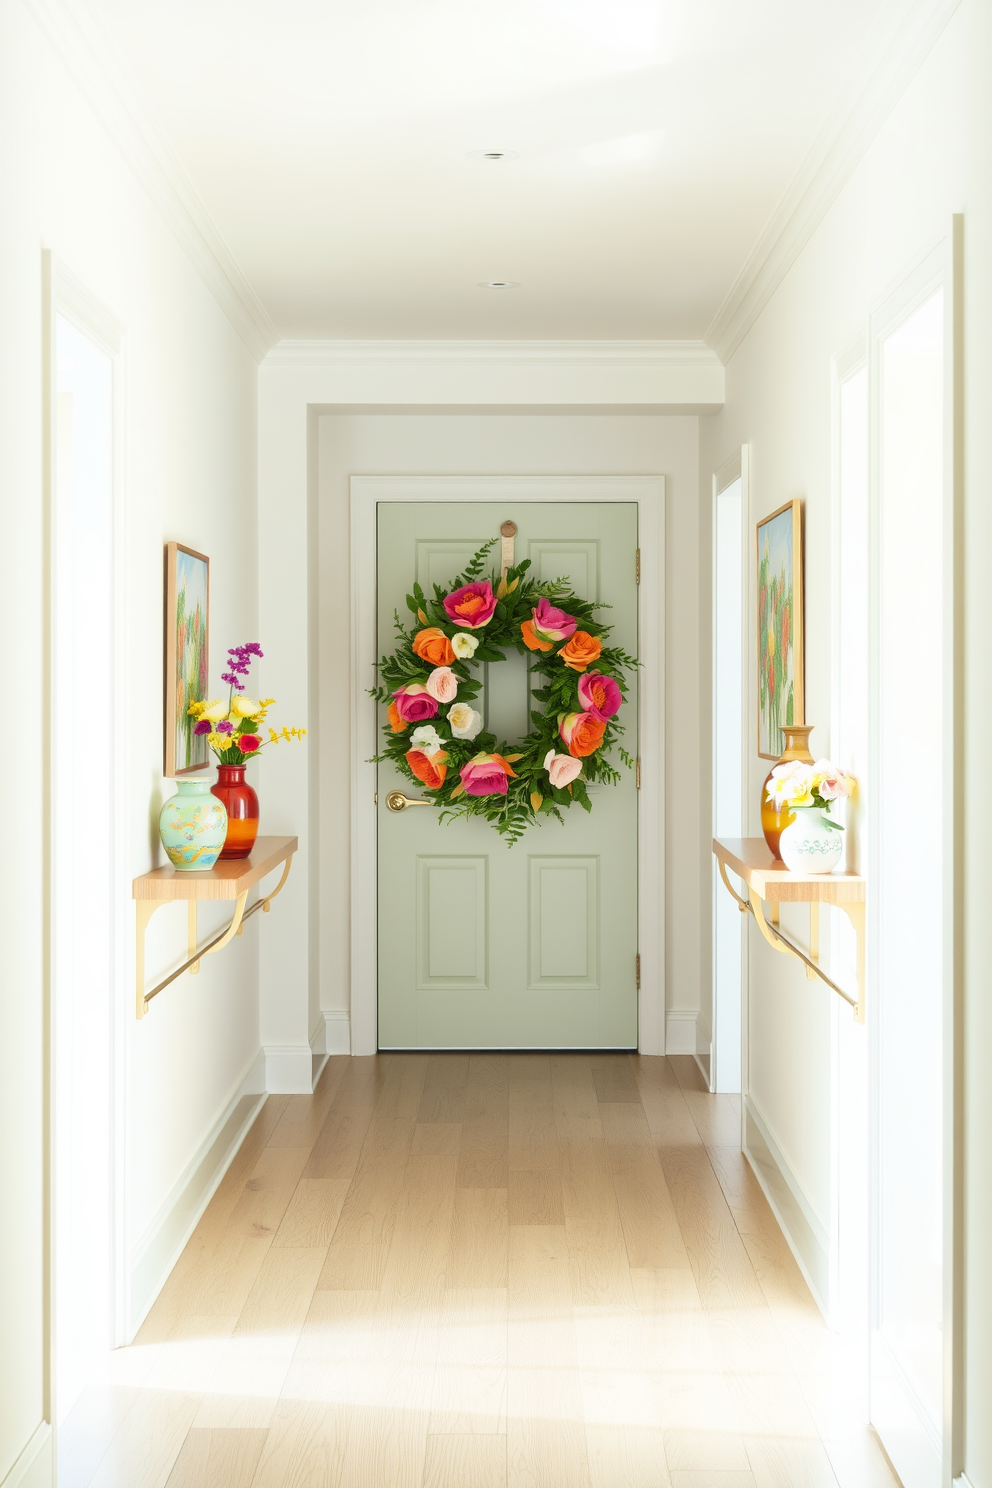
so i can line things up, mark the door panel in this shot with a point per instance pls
(452, 908)
(481, 945)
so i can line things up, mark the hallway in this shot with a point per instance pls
(468, 1271)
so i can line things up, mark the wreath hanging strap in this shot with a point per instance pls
(434, 736)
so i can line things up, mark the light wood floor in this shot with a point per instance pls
(461, 1271)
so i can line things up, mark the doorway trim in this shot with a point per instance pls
(938, 269)
(64, 295)
(648, 492)
(734, 469)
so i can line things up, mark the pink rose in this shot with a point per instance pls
(835, 785)
(414, 703)
(442, 684)
(599, 695)
(553, 624)
(486, 775)
(561, 768)
(472, 605)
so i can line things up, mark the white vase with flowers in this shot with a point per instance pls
(813, 843)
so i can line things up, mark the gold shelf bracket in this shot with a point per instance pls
(768, 884)
(814, 971)
(145, 908)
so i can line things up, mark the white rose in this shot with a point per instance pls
(463, 721)
(464, 646)
(426, 738)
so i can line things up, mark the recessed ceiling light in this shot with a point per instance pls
(499, 284)
(494, 156)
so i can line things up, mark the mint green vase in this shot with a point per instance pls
(193, 826)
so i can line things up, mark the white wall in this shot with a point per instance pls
(189, 411)
(933, 157)
(528, 444)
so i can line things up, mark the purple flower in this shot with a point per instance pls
(225, 726)
(203, 727)
(239, 663)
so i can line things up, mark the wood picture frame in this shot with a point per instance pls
(187, 655)
(781, 679)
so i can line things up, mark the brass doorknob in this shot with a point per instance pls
(397, 801)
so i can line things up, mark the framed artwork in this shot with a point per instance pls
(187, 655)
(780, 626)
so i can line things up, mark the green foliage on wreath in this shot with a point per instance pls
(530, 794)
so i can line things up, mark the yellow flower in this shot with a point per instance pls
(219, 741)
(213, 712)
(267, 702)
(243, 707)
(195, 709)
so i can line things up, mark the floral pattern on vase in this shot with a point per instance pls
(809, 844)
(193, 827)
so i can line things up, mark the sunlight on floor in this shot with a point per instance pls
(394, 1328)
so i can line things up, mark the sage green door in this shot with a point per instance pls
(482, 946)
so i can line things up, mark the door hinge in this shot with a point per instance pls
(637, 566)
(637, 969)
(637, 771)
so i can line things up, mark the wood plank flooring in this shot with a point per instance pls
(483, 1271)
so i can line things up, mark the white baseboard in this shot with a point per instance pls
(704, 1050)
(162, 1243)
(805, 1234)
(337, 1031)
(35, 1467)
(289, 1069)
(963, 1482)
(294, 1069)
(680, 1032)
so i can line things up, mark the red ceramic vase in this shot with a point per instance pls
(241, 803)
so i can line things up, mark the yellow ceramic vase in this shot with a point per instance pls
(773, 821)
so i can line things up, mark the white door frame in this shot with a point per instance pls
(940, 268)
(648, 491)
(64, 296)
(734, 469)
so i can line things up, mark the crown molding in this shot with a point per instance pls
(695, 354)
(884, 67)
(91, 60)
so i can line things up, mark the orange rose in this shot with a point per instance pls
(433, 645)
(581, 651)
(396, 722)
(429, 768)
(532, 641)
(582, 733)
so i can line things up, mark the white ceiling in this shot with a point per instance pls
(331, 142)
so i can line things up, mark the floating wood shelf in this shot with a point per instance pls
(767, 880)
(230, 880)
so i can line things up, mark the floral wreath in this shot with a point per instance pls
(434, 735)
